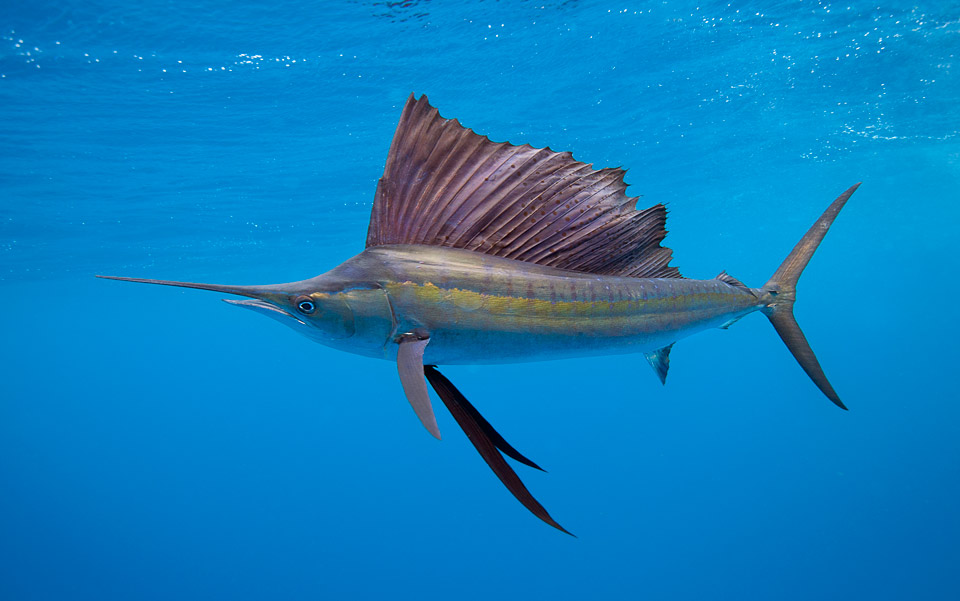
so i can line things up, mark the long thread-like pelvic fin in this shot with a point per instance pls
(487, 448)
(781, 293)
(435, 378)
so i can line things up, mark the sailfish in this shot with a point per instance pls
(482, 252)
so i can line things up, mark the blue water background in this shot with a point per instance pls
(158, 444)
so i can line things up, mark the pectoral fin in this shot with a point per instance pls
(410, 367)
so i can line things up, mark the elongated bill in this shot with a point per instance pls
(249, 291)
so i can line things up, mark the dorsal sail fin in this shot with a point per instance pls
(444, 185)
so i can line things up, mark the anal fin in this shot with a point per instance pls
(727, 324)
(660, 361)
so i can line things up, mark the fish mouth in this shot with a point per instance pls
(262, 306)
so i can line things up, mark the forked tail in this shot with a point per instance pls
(781, 290)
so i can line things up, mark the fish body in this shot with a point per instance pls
(481, 309)
(481, 252)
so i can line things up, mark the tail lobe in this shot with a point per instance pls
(781, 292)
(786, 325)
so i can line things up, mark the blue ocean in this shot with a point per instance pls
(156, 443)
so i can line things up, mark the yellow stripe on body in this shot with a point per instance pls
(509, 312)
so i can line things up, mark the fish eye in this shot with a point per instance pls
(306, 305)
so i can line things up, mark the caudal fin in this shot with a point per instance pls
(781, 289)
